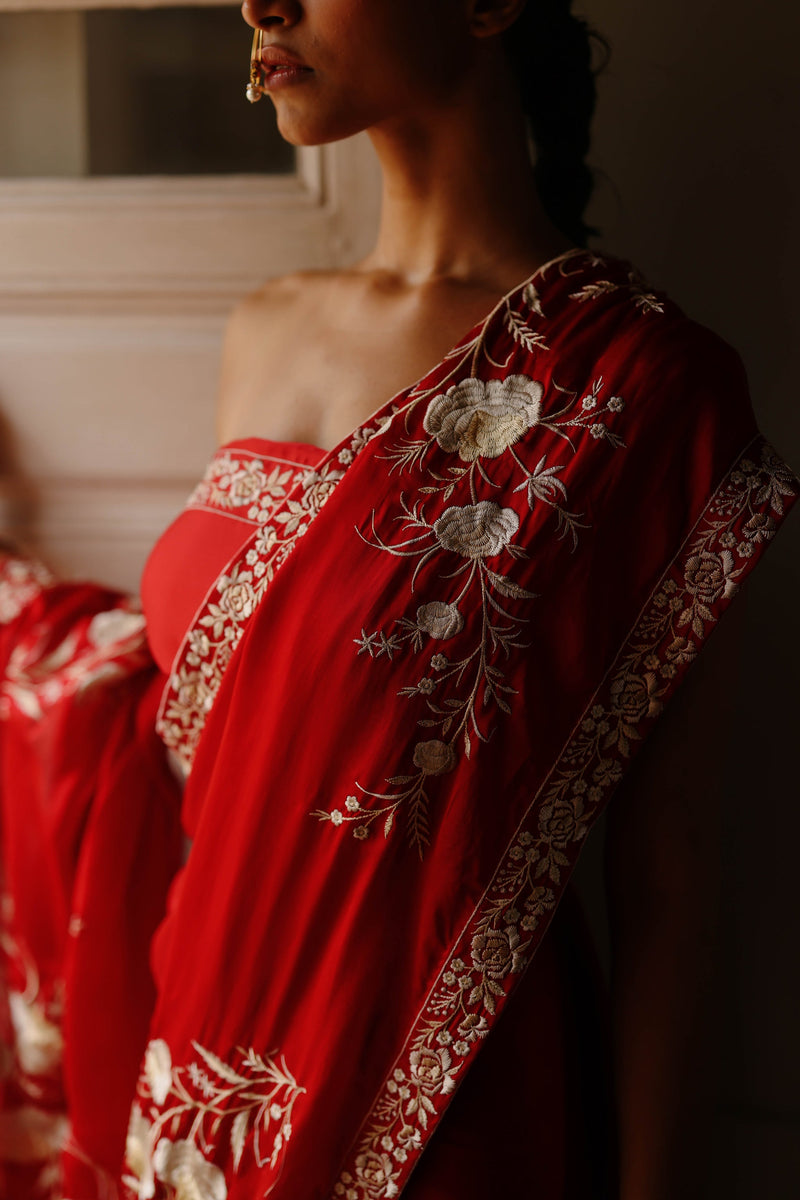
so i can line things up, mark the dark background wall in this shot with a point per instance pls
(696, 145)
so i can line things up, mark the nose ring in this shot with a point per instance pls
(255, 88)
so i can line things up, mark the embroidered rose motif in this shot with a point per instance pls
(560, 822)
(434, 757)
(115, 626)
(158, 1069)
(477, 530)
(634, 696)
(193, 692)
(432, 1070)
(237, 597)
(439, 620)
(709, 576)
(181, 1165)
(482, 419)
(496, 952)
(246, 486)
(374, 1173)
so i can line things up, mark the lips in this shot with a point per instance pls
(277, 61)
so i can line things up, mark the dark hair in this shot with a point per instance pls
(551, 52)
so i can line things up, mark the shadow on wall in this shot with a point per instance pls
(699, 185)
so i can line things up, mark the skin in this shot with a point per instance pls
(311, 356)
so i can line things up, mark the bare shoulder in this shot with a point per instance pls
(267, 326)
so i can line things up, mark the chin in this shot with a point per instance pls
(316, 129)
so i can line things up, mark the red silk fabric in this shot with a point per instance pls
(404, 703)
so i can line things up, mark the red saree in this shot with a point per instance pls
(403, 702)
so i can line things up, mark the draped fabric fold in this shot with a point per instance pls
(90, 842)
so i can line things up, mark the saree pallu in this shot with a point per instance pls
(403, 704)
(90, 840)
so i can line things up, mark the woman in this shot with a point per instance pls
(414, 636)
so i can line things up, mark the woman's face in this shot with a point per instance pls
(354, 64)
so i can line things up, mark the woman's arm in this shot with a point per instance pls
(662, 879)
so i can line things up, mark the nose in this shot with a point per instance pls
(271, 14)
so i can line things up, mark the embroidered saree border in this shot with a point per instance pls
(494, 948)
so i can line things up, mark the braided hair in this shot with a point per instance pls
(551, 52)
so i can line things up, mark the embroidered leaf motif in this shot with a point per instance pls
(507, 587)
(238, 1136)
(222, 1069)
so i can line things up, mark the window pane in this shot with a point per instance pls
(132, 92)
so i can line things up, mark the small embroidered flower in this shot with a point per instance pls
(516, 852)
(482, 419)
(479, 530)
(760, 528)
(434, 757)
(616, 404)
(598, 430)
(432, 1070)
(426, 686)
(448, 978)
(374, 1173)
(439, 662)
(634, 697)
(444, 1038)
(589, 402)
(236, 595)
(560, 822)
(458, 965)
(745, 549)
(525, 838)
(352, 804)
(496, 952)
(709, 576)
(440, 621)
(336, 817)
(345, 457)
(360, 832)
(461, 1048)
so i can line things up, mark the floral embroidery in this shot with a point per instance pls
(241, 485)
(479, 423)
(475, 419)
(216, 1107)
(513, 915)
(100, 649)
(636, 288)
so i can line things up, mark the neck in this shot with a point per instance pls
(459, 198)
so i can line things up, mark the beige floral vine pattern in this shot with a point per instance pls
(738, 522)
(184, 1115)
(246, 485)
(636, 287)
(282, 510)
(475, 421)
